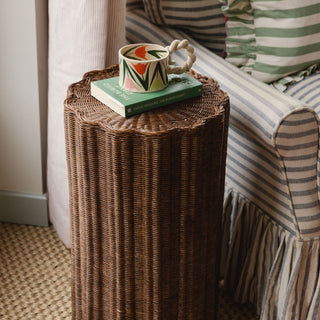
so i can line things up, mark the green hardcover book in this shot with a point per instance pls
(127, 103)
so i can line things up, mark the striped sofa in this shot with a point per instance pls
(271, 244)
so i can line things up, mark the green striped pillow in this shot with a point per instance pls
(273, 38)
(240, 41)
(202, 19)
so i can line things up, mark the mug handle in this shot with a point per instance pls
(177, 45)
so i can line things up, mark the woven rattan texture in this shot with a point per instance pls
(146, 201)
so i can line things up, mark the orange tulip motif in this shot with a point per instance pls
(141, 52)
(140, 67)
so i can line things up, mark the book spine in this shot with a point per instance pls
(173, 97)
(107, 99)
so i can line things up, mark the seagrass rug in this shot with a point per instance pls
(35, 277)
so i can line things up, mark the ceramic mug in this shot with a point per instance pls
(144, 67)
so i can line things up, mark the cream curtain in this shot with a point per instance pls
(84, 35)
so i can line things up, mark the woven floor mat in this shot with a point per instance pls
(35, 277)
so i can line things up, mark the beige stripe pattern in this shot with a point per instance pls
(83, 35)
(203, 19)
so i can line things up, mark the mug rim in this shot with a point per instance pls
(142, 61)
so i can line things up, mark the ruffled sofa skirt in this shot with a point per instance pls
(265, 265)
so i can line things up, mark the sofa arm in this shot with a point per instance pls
(289, 129)
(297, 142)
(256, 108)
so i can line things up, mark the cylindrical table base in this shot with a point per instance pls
(146, 211)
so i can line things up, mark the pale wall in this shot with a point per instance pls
(23, 98)
(23, 111)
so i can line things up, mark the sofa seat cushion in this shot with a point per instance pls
(308, 91)
(272, 39)
(203, 20)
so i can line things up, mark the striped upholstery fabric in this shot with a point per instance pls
(77, 42)
(272, 39)
(271, 247)
(307, 91)
(202, 19)
(240, 39)
(133, 4)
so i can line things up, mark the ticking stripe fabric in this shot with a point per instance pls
(272, 39)
(272, 214)
(307, 91)
(203, 19)
(269, 267)
(83, 35)
(133, 4)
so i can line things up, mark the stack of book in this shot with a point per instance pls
(127, 103)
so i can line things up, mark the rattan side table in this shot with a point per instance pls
(146, 201)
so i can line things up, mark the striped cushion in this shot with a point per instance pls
(240, 39)
(133, 4)
(307, 91)
(202, 19)
(272, 39)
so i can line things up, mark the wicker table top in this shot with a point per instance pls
(186, 114)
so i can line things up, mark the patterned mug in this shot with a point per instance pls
(144, 67)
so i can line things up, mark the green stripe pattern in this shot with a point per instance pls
(271, 39)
